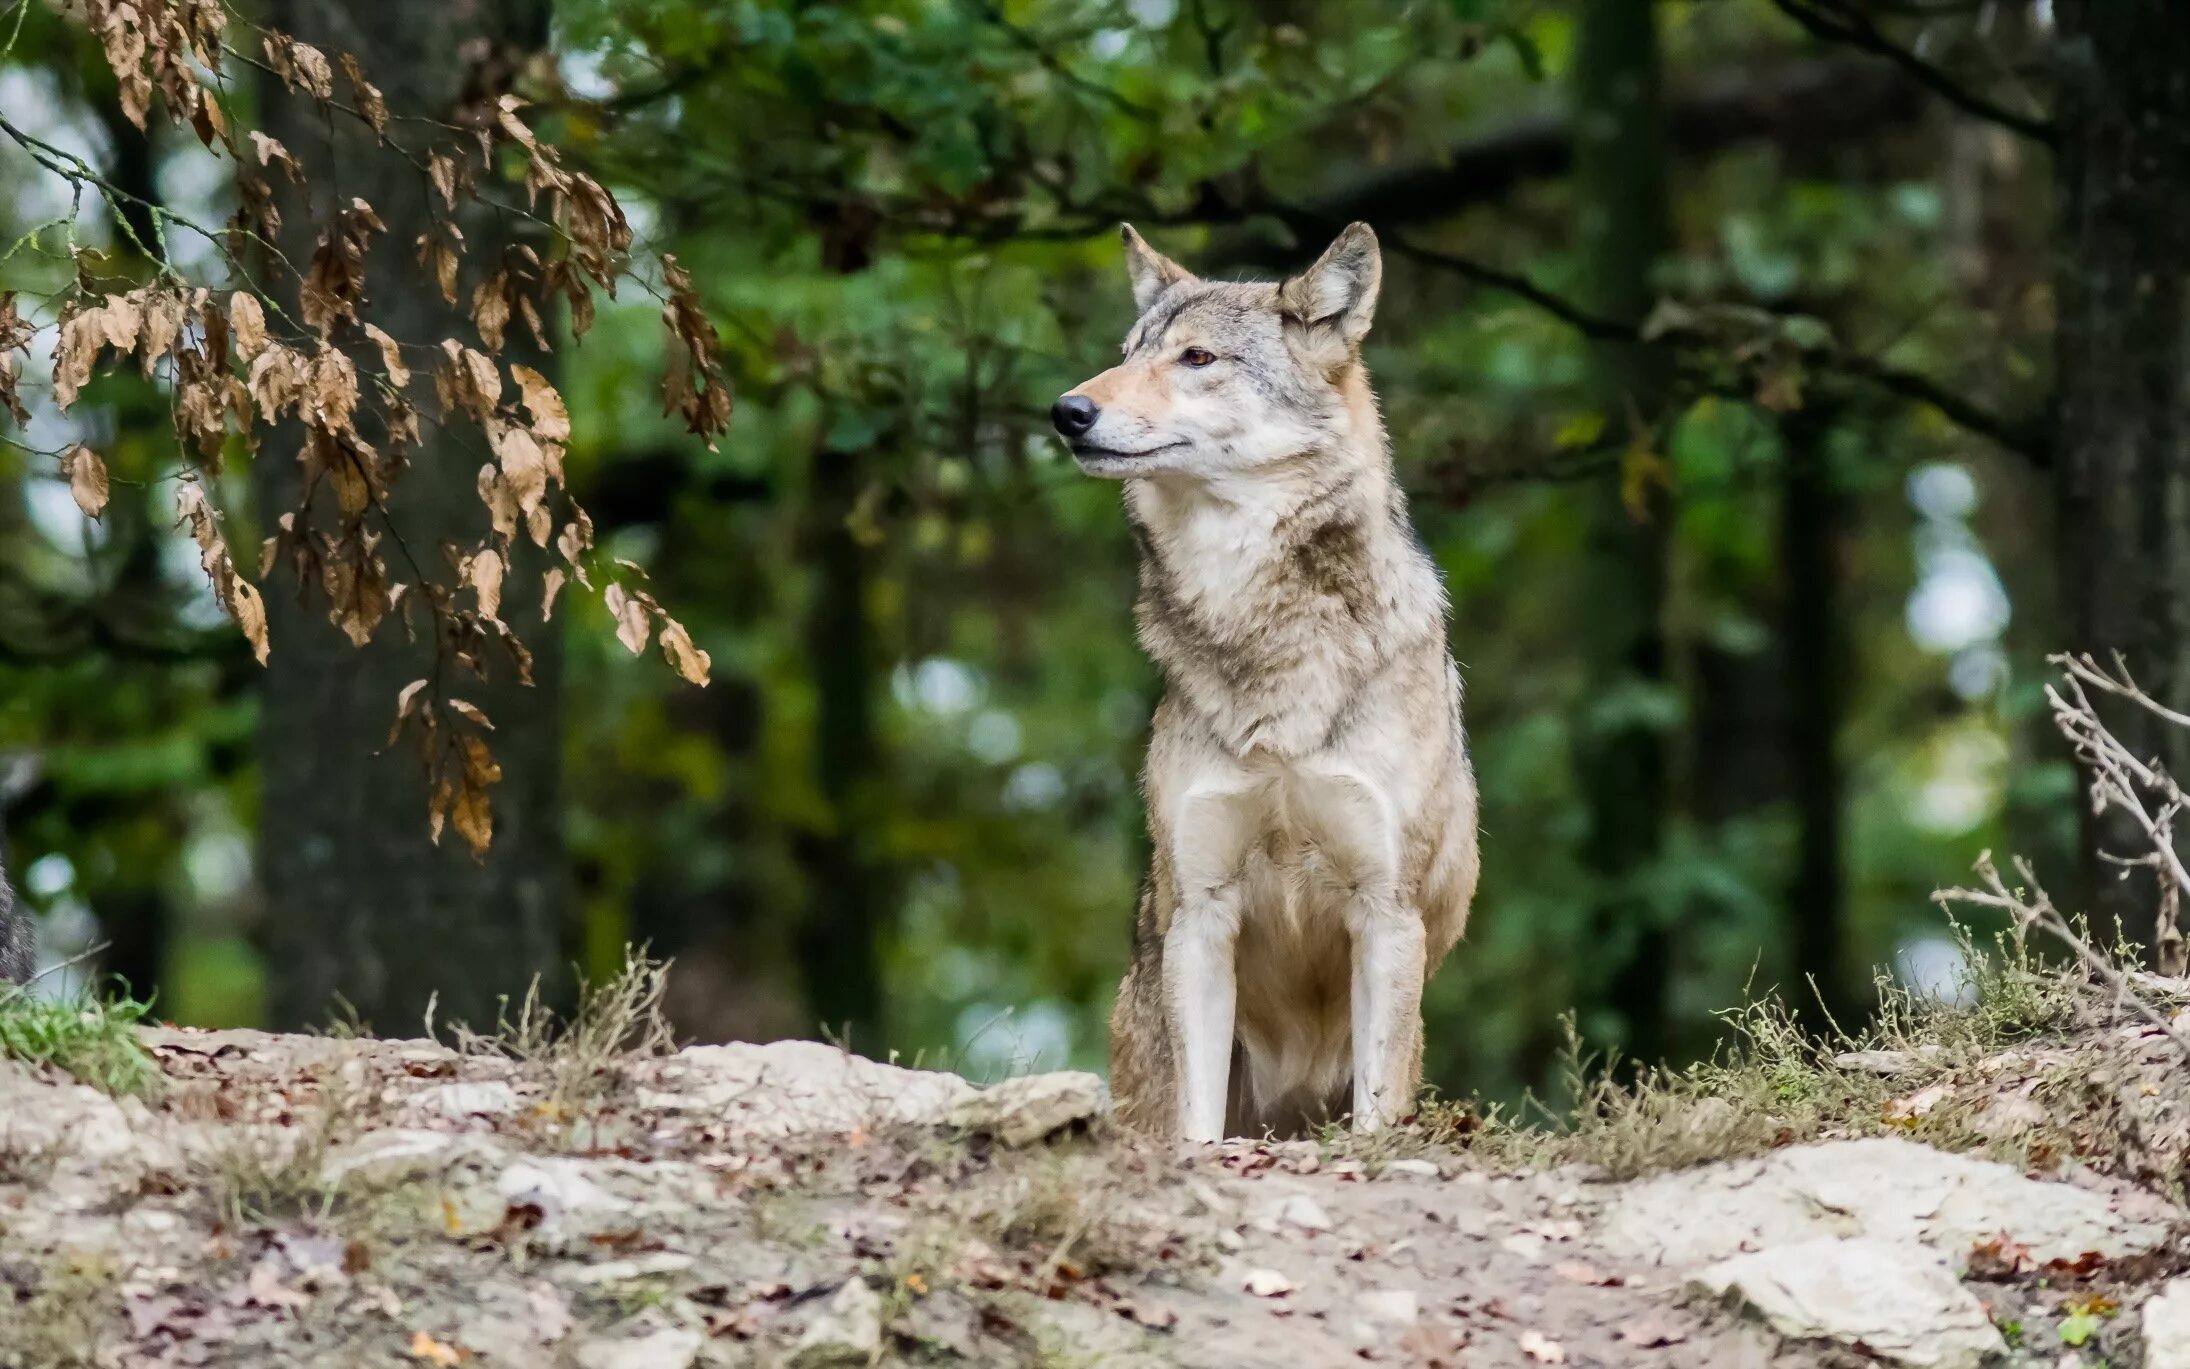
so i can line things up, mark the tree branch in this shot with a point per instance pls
(1856, 30)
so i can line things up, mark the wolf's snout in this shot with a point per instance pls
(1074, 415)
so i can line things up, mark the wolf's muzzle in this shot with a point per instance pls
(1073, 415)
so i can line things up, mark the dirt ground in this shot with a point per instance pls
(317, 1201)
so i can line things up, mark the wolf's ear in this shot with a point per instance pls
(1151, 271)
(1338, 292)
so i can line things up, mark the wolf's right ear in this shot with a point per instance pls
(1151, 271)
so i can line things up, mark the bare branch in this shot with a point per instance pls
(1845, 25)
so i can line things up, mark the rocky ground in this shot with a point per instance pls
(287, 1200)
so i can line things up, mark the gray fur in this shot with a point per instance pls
(18, 947)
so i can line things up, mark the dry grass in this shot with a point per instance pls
(581, 1063)
(1774, 1085)
(57, 1318)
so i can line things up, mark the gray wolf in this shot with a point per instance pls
(17, 953)
(1311, 805)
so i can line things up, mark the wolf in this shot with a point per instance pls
(18, 956)
(1311, 804)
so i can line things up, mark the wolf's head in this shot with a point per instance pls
(1222, 378)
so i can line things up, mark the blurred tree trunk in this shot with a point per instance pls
(1813, 519)
(2123, 437)
(839, 941)
(359, 902)
(1624, 226)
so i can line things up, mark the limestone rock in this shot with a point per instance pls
(847, 1332)
(787, 1088)
(1888, 1188)
(2166, 1325)
(672, 1347)
(460, 1101)
(1896, 1299)
(395, 1156)
(1022, 1111)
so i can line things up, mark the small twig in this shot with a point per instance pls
(16, 991)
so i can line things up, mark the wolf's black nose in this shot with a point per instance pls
(1074, 415)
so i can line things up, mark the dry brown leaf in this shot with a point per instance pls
(87, 479)
(391, 356)
(485, 576)
(550, 417)
(271, 152)
(685, 658)
(247, 321)
(551, 585)
(471, 713)
(364, 95)
(426, 1350)
(524, 467)
(1541, 1348)
(633, 624)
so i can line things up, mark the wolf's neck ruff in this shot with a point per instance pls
(1267, 603)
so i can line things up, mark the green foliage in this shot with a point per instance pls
(89, 1036)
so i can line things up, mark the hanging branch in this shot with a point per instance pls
(242, 356)
(1837, 22)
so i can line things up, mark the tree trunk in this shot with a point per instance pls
(839, 942)
(1624, 227)
(360, 902)
(2123, 470)
(1812, 522)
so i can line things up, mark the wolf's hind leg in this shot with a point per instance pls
(1389, 958)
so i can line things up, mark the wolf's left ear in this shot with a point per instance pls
(1151, 271)
(1338, 293)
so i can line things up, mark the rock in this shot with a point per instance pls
(658, 1265)
(2166, 1325)
(670, 1347)
(1896, 1299)
(1266, 1283)
(1889, 1188)
(1397, 1306)
(1022, 1111)
(458, 1102)
(788, 1088)
(396, 1156)
(1299, 1211)
(571, 1205)
(848, 1331)
(1420, 1169)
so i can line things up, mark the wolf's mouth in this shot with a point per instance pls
(1088, 451)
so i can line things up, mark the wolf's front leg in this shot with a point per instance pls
(1388, 968)
(1200, 992)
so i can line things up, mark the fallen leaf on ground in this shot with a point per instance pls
(1578, 1272)
(426, 1350)
(1541, 1348)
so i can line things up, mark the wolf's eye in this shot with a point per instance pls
(1195, 357)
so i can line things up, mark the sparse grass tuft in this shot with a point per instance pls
(92, 1038)
(1774, 1085)
(58, 1318)
(579, 1060)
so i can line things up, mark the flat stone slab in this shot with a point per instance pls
(788, 1088)
(1881, 1187)
(1895, 1300)
(2166, 1325)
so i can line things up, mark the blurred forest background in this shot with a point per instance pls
(1776, 381)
